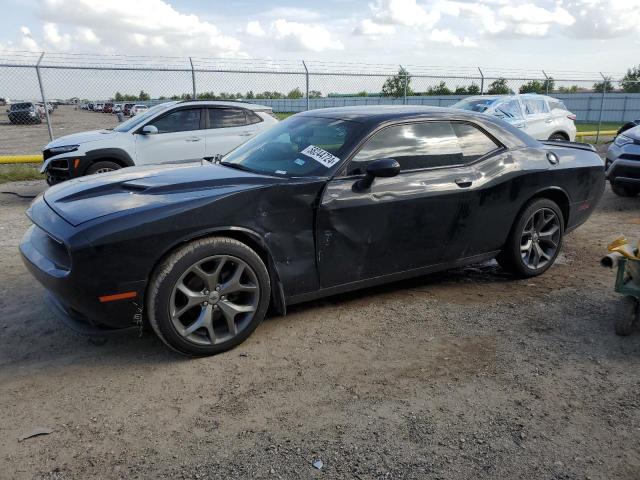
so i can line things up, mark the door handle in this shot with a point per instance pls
(550, 120)
(519, 125)
(463, 182)
(193, 139)
(246, 134)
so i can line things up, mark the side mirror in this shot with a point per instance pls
(385, 167)
(149, 130)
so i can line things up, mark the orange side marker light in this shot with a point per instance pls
(117, 296)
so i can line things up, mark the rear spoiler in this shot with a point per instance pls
(567, 144)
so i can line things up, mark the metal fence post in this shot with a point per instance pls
(604, 91)
(306, 77)
(624, 108)
(404, 98)
(481, 81)
(44, 98)
(546, 82)
(193, 78)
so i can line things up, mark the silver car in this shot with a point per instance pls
(623, 163)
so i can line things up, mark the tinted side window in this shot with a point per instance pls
(557, 104)
(424, 145)
(473, 142)
(227, 117)
(535, 105)
(510, 108)
(252, 117)
(178, 121)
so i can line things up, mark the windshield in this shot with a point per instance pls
(475, 105)
(133, 122)
(297, 147)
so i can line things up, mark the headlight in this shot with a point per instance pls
(622, 140)
(64, 149)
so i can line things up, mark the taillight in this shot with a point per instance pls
(571, 116)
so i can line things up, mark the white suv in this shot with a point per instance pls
(172, 132)
(542, 117)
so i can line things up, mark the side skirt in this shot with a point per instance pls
(392, 277)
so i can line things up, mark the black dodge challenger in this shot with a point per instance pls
(327, 201)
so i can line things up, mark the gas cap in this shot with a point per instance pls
(553, 158)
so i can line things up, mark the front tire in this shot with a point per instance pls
(558, 137)
(535, 239)
(208, 296)
(102, 166)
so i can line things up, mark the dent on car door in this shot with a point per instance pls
(228, 128)
(180, 138)
(416, 219)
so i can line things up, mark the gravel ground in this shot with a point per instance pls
(459, 375)
(30, 139)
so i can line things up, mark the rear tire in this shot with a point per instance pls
(626, 315)
(208, 296)
(624, 191)
(535, 239)
(102, 167)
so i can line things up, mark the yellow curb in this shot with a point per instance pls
(5, 159)
(605, 133)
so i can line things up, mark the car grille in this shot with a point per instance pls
(51, 249)
(629, 156)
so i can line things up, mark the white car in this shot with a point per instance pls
(172, 132)
(138, 109)
(98, 107)
(117, 108)
(542, 117)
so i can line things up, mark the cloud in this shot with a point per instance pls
(604, 18)
(295, 35)
(369, 27)
(404, 12)
(446, 36)
(131, 27)
(254, 28)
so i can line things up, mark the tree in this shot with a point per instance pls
(363, 93)
(473, 89)
(250, 95)
(395, 86)
(499, 87)
(315, 94)
(571, 89)
(295, 93)
(440, 89)
(533, 86)
(460, 90)
(631, 81)
(118, 97)
(605, 85)
(549, 85)
(144, 95)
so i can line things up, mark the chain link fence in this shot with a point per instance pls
(48, 95)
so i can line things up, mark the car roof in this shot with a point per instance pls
(226, 103)
(383, 113)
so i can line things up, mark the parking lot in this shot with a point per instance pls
(464, 374)
(29, 139)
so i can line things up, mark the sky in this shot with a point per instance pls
(556, 35)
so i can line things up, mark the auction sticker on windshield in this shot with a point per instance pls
(320, 155)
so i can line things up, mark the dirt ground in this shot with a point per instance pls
(30, 139)
(468, 374)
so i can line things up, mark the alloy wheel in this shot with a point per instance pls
(214, 300)
(540, 239)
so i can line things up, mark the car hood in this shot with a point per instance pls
(142, 188)
(633, 133)
(83, 137)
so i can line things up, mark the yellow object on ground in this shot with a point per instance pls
(6, 159)
(603, 133)
(621, 246)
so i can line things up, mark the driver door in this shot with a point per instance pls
(415, 219)
(180, 138)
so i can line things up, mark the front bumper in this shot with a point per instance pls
(64, 166)
(75, 293)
